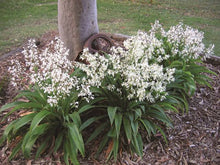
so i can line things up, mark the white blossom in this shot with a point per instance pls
(187, 43)
(139, 65)
(49, 69)
(142, 80)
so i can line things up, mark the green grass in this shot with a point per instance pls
(127, 17)
(22, 19)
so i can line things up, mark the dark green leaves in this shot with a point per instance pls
(45, 123)
(149, 126)
(127, 128)
(38, 118)
(118, 120)
(116, 114)
(90, 121)
(31, 137)
(23, 121)
(111, 113)
(76, 137)
(97, 131)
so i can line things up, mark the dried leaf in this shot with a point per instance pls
(26, 113)
(109, 149)
(29, 162)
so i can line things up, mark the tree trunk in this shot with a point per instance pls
(77, 21)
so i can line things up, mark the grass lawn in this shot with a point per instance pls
(22, 19)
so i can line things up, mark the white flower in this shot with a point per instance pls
(187, 42)
(138, 65)
(48, 69)
(142, 79)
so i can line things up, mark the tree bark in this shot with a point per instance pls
(77, 21)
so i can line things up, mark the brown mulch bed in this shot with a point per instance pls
(194, 139)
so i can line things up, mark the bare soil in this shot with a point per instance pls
(194, 139)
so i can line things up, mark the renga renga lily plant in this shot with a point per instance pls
(117, 96)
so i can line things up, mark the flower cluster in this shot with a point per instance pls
(137, 67)
(140, 65)
(182, 41)
(141, 80)
(130, 84)
(147, 45)
(49, 69)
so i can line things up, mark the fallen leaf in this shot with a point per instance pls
(29, 162)
(109, 149)
(26, 113)
(163, 159)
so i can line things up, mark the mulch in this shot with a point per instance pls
(193, 140)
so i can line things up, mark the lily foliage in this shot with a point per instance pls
(119, 94)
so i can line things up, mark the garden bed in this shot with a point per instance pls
(194, 139)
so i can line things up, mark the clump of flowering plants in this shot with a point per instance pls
(135, 84)
(127, 91)
(51, 106)
(182, 48)
(132, 92)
